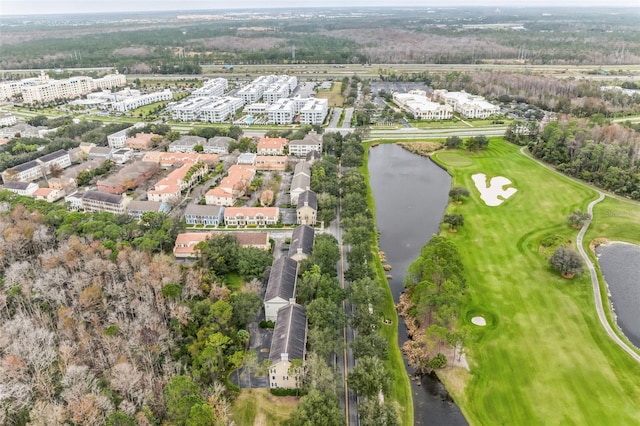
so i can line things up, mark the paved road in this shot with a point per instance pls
(335, 117)
(348, 116)
(595, 283)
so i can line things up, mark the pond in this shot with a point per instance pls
(620, 266)
(411, 194)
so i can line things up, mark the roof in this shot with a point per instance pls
(300, 181)
(25, 166)
(200, 210)
(189, 140)
(252, 238)
(44, 192)
(282, 279)
(144, 206)
(310, 139)
(54, 155)
(104, 197)
(313, 155)
(100, 150)
(19, 186)
(290, 333)
(271, 143)
(302, 167)
(302, 238)
(222, 141)
(310, 198)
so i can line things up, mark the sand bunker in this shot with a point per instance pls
(479, 321)
(494, 194)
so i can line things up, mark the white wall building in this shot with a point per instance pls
(314, 111)
(417, 103)
(45, 89)
(468, 105)
(142, 100)
(282, 112)
(213, 87)
(118, 139)
(7, 119)
(220, 109)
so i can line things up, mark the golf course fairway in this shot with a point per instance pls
(543, 358)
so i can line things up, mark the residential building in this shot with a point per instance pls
(307, 208)
(169, 188)
(186, 242)
(100, 153)
(247, 159)
(44, 89)
(276, 92)
(21, 188)
(23, 130)
(313, 156)
(421, 107)
(281, 286)
(301, 147)
(259, 216)
(48, 194)
(221, 109)
(301, 245)
(118, 139)
(232, 186)
(85, 147)
(218, 145)
(96, 201)
(211, 88)
(299, 184)
(38, 168)
(136, 208)
(466, 104)
(186, 143)
(302, 168)
(122, 155)
(74, 201)
(9, 89)
(196, 214)
(281, 112)
(288, 344)
(167, 159)
(314, 111)
(272, 146)
(7, 119)
(272, 162)
(142, 100)
(141, 141)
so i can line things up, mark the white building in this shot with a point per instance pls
(468, 105)
(301, 147)
(213, 87)
(118, 139)
(45, 89)
(282, 112)
(21, 188)
(251, 93)
(142, 100)
(221, 109)
(417, 103)
(7, 119)
(188, 109)
(314, 111)
(275, 92)
(9, 89)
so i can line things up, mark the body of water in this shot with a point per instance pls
(411, 194)
(620, 266)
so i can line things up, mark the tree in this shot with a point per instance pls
(476, 143)
(326, 253)
(180, 394)
(318, 408)
(373, 412)
(200, 415)
(245, 306)
(458, 192)
(578, 218)
(453, 142)
(567, 261)
(454, 220)
(372, 345)
(198, 148)
(370, 377)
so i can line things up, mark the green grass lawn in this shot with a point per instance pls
(545, 359)
(259, 407)
(333, 96)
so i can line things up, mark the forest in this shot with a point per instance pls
(440, 36)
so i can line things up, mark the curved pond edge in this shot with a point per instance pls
(605, 291)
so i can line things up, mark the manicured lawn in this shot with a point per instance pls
(544, 359)
(259, 407)
(400, 386)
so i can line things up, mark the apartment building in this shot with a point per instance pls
(118, 139)
(314, 111)
(44, 89)
(232, 186)
(38, 168)
(136, 209)
(21, 188)
(142, 100)
(421, 107)
(211, 88)
(466, 104)
(168, 189)
(301, 147)
(221, 109)
(259, 216)
(272, 146)
(96, 201)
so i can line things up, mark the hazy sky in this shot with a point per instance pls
(15, 7)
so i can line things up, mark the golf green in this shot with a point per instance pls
(543, 358)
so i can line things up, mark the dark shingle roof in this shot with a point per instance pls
(301, 181)
(309, 139)
(53, 155)
(21, 186)
(290, 333)
(308, 197)
(144, 206)
(202, 210)
(282, 279)
(313, 155)
(302, 167)
(25, 166)
(302, 238)
(105, 197)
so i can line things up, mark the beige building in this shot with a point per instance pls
(307, 208)
(288, 344)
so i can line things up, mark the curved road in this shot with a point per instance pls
(595, 283)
